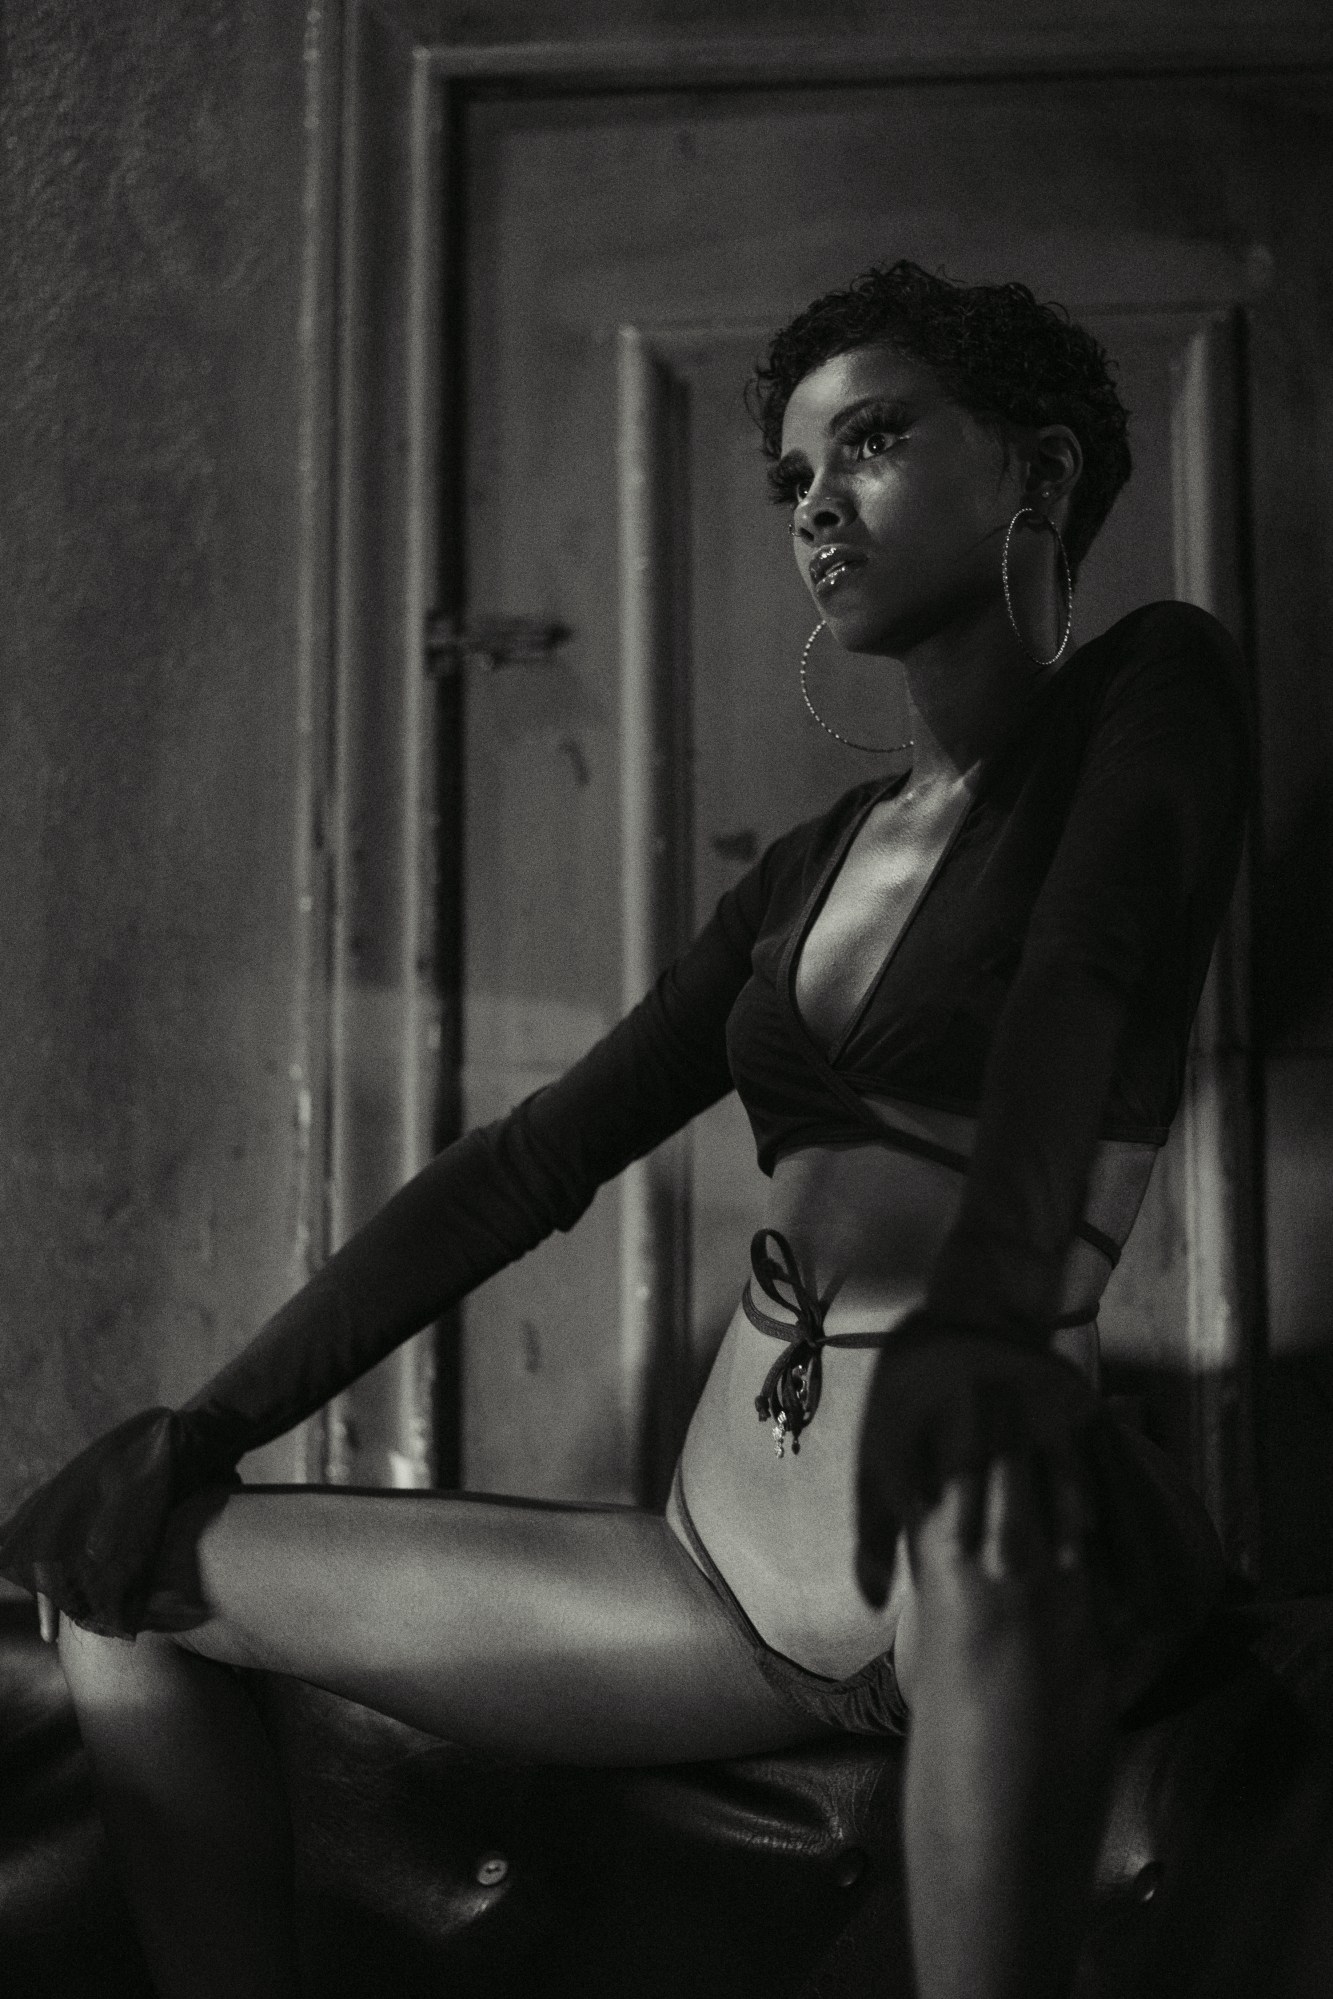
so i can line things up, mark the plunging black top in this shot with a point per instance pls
(1108, 836)
(1045, 983)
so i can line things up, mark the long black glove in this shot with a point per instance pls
(944, 1403)
(1147, 856)
(89, 1539)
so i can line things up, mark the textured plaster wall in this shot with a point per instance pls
(153, 1184)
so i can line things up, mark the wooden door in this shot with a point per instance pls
(627, 257)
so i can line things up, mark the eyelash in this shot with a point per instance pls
(874, 421)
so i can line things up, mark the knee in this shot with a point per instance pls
(105, 1674)
(994, 1608)
(89, 1660)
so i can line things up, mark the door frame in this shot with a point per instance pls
(395, 822)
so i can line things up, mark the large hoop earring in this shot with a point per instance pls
(1042, 521)
(870, 749)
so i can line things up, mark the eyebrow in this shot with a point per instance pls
(791, 461)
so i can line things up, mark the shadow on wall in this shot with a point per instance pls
(1294, 956)
(1293, 1015)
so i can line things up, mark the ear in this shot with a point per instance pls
(1054, 462)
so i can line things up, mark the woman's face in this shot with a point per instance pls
(900, 500)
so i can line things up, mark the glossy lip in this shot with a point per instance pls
(831, 563)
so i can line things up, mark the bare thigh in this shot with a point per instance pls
(985, 1562)
(565, 1633)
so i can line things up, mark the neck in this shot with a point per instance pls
(967, 689)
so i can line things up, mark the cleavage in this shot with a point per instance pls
(876, 891)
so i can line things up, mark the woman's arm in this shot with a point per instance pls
(89, 1538)
(490, 1197)
(1151, 843)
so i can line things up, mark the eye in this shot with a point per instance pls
(874, 431)
(787, 488)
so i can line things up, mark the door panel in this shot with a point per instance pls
(678, 231)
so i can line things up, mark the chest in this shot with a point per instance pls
(875, 890)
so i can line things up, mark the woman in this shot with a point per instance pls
(956, 1007)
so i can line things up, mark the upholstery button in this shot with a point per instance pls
(849, 1867)
(491, 1869)
(1147, 1881)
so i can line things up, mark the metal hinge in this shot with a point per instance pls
(491, 642)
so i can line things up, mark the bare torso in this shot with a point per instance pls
(865, 1223)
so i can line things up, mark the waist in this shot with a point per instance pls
(778, 1303)
(866, 1222)
(774, 1500)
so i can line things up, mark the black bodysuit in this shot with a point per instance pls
(1045, 983)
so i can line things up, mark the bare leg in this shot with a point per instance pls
(574, 1634)
(1008, 1751)
(188, 1790)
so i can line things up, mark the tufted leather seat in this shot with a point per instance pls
(423, 1869)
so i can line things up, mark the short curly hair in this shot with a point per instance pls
(996, 351)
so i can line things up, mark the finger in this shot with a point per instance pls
(1012, 1541)
(959, 1438)
(48, 1619)
(960, 1516)
(872, 1578)
(950, 1530)
(1120, 1534)
(877, 1528)
(1069, 1535)
(1066, 1513)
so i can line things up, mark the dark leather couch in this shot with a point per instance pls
(427, 1871)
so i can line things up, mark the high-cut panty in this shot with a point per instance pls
(1157, 1566)
(868, 1703)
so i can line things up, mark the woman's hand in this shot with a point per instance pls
(87, 1542)
(943, 1405)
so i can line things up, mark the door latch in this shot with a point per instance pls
(491, 642)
